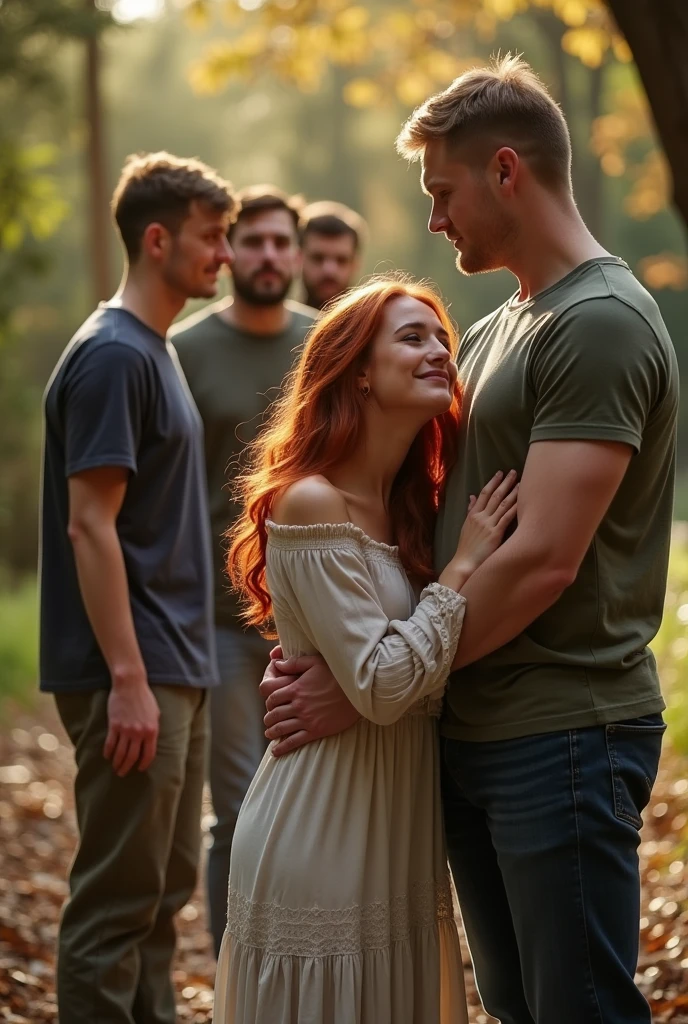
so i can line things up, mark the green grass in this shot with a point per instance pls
(19, 641)
(671, 643)
(681, 495)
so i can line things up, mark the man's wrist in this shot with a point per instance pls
(128, 677)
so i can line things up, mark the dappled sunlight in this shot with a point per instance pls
(308, 95)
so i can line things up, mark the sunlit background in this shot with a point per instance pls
(309, 95)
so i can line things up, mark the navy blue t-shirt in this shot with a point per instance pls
(118, 398)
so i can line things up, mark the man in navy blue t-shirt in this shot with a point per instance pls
(126, 642)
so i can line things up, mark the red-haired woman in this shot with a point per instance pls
(340, 908)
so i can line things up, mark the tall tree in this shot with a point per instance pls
(29, 35)
(410, 50)
(96, 163)
(657, 33)
(31, 209)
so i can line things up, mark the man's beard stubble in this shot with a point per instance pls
(245, 288)
(176, 277)
(314, 301)
(319, 301)
(500, 235)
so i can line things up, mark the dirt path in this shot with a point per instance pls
(37, 839)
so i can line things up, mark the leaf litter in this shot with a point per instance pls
(38, 835)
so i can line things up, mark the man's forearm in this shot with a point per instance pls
(508, 592)
(105, 591)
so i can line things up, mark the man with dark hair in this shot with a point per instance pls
(126, 642)
(332, 237)
(234, 356)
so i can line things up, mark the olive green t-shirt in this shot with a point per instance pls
(233, 377)
(587, 359)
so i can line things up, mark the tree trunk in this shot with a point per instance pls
(588, 177)
(552, 30)
(657, 33)
(593, 174)
(99, 220)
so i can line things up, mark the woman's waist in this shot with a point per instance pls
(417, 731)
(430, 706)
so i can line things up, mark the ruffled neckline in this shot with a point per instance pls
(296, 536)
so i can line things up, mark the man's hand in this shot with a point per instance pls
(133, 720)
(304, 702)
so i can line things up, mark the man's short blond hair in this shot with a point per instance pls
(504, 104)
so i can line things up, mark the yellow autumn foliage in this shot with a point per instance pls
(409, 50)
(395, 38)
(665, 270)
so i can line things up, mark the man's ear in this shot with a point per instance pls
(156, 241)
(506, 163)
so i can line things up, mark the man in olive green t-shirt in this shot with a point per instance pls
(235, 356)
(587, 359)
(552, 729)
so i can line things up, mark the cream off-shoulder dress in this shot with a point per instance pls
(340, 909)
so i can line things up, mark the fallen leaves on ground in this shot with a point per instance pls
(37, 837)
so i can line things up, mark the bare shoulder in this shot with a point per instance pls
(309, 502)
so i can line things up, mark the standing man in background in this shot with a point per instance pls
(126, 639)
(332, 238)
(235, 355)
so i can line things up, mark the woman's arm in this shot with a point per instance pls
(321, 581)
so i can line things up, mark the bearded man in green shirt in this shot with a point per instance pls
(235, 355)
(552, 726)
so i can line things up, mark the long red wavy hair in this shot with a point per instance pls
(319, 417)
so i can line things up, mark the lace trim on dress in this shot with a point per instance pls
(441, 612)
(317, 932)
(330, 535)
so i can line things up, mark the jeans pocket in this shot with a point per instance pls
(634, 748)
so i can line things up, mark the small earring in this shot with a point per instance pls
(365, 390)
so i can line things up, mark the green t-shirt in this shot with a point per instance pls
(233, 377)
(587, 359)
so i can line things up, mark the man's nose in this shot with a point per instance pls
(270, 251)
(438, 222)
(226, 253)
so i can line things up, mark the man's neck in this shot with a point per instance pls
(553, 241)
(255, 319)
(150, 300)
(312, 300)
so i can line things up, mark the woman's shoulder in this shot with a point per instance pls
(310, 502)
(312, 514)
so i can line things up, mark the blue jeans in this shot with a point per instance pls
(542, 835)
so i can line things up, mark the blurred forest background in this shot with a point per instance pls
(308, 94)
